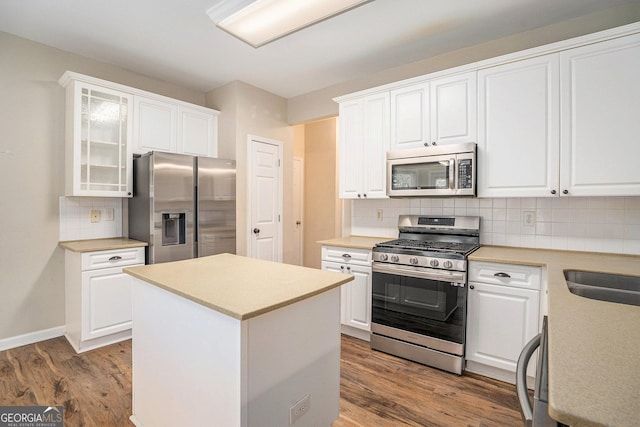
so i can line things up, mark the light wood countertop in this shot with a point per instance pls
(355, 242)
(93, 245)
(594, 374)
(238, 286)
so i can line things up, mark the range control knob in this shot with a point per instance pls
(434, 263)
(395, 258)
(447, 264)
(413, 260)
(384, 257)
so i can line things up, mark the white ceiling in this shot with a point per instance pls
(175, 41)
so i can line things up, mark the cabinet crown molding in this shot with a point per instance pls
(70, 76)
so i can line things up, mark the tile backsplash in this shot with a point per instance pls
(594, 224)
(75, 218)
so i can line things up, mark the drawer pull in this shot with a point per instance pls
(502, 275)
(115, 258)
(346, 256)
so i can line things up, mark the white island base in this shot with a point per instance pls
(194, 366)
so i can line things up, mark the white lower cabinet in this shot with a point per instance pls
(355, 296)
(503, 314)
(98, 296)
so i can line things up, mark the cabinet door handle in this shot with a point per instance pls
(565, 191)
(553, 191)
(471, 287)
(502, 275)
(115, 258)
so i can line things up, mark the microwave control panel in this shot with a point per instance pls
(465, 173)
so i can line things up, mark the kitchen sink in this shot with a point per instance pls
(604, 286)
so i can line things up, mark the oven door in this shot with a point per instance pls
(423, 304)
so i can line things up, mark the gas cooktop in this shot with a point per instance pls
(427, 245)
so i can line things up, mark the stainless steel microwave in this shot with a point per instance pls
(444, 170)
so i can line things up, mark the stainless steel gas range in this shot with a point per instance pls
(419, 300)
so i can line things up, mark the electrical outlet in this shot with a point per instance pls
(379, 214)
(108, 214)
(299, 409)
(95, 215)
(528, 218)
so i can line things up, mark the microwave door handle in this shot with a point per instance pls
(452, 173)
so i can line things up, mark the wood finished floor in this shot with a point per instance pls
(376, 389)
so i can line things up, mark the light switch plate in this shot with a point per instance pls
(108, 214)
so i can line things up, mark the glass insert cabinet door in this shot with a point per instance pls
(102, 149)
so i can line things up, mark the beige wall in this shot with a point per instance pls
(32, 152)
(322, 208)
(32, 176)
(319, 104)
(248, 110)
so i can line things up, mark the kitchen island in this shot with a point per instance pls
(234, 341)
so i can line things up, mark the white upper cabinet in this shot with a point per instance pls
(98, 133)
(173, 127)
(155, 125)
(552, 121)
(197, 132)
(600, 115)
(410, 117)
(364, 141)
(518, 128)
(148, 122)
(440, 111)
(453, 109)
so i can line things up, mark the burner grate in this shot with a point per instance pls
(426, 245)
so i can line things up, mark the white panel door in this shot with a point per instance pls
(375, 145)
(518, 128)
(500, 321)
(298, 203)
(357, 295)
(350, 146)
(265, 194)
(197, 133)
(601, 119)
(410, 117)
(155, 125)
(453, 109)
(106, 305)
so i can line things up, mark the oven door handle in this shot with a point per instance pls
(521, 379)
(419, 273)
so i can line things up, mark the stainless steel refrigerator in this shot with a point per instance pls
(183, 206)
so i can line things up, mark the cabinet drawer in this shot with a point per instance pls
(349, 255)
(112, 258)
(519, 276)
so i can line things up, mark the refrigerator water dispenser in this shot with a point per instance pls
(173, 229)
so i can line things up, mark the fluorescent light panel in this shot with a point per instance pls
(264, 21)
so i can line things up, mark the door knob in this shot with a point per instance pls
(256, 230)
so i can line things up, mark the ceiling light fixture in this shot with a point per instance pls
(263, 21)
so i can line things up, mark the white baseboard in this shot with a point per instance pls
(355, 332)
(30, 338)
